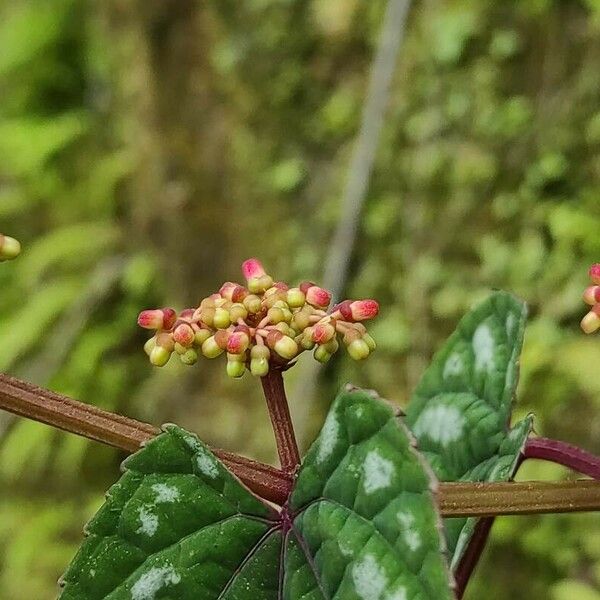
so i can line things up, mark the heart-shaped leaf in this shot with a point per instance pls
(361, 523)
(461, 409)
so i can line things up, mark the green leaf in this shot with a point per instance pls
(361, 523)
(460, 411)
(367, 526)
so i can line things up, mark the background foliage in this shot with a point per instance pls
(146, 148)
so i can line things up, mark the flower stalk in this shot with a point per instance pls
(279, 412)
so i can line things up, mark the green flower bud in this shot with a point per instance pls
(276, 315)
(286, 347)
(9, 248)
(260, 352)
(332, 346)
(370, 341)
(201, 336)
(210, 348)
(180, 349)
(306, 341)
(190, 357)
(259, 367)
(237, 311)
(221, 320)
(321, 354)
(296, 298)
(149, 345)
(359, 349)
(252, 303)
(159, 356)
(235, 368)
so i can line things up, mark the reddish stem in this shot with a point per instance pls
(279, 411)
(564, 454)
(536, 448)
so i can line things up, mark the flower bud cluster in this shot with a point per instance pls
(262, 324)
(9, 248)
(591, 322)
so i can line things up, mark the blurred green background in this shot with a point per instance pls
(147, 147)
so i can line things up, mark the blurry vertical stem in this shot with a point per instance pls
(358, 177)
(277, 403)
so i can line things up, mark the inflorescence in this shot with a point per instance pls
(591, 322)
(9, 248)
(260, 325)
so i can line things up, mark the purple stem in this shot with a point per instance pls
(538, 448)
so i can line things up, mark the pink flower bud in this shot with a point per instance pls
(595, 273)
(184, 335)
(226, 289)
(318, 297)
(233, 292)
(591, 322)
(323, 333)
(238, 342)
(592, 295)
(160, 318)
(358, 310)
(187, 314)
(253, 269)
(222, 338)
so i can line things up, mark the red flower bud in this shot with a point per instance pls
(595, 273)
(358, 310)
(318, 297)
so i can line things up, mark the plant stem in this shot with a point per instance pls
(27, 400)
(535, 448)
(279, 412)
(455, 499)
(518, 498)
(564, 454)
